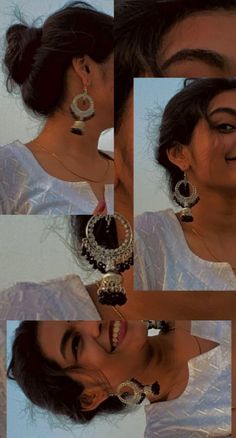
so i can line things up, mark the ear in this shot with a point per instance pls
(83, 67)
(180, 155)
(90, 399)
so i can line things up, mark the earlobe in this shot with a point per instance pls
(180, 156)
(91, 399)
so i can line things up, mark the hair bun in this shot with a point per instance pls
(22, 44)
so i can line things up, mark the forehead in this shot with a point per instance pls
(215, 30)
(226, 99)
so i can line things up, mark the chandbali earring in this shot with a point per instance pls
(132, 392)
(186, 196)
(110, 262)
(81, 115)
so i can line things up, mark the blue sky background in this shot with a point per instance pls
(15, 123)
(150, 186)
(25, 421)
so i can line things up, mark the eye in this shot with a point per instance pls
(225, 127)
(75, 345)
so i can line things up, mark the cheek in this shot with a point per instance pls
(208, 149)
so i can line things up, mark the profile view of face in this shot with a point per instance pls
(115, 348)
(202, 44)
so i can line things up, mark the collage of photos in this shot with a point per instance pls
(117, 219)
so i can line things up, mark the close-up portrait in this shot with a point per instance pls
(56, 153)
(177, 373)
(185, 159)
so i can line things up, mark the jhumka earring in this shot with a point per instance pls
(162, 325)
(81, 115)
(110, 262)
(132, 392)
(187, 199)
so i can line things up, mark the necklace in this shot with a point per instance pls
(207, 248)
(122, 318)
(71, 171)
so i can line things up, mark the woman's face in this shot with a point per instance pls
(201, 45)
(212, 150)
(116, 348)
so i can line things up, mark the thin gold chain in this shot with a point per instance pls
(71, 171)
(207, 248)
(118, 313)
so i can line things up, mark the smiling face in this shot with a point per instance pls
(115, 350)
(201, 45)
(210, 158)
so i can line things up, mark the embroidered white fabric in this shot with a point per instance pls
(204, 408)
(163, 260)
(59, 299)
(26, 188)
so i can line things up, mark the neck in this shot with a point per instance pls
(56, 137)
(168, 362)
(215, 214)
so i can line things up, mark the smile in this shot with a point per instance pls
(117, 332)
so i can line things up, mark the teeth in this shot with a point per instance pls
(115, 333)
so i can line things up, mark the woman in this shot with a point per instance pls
(195, 248)
(64, 70)
(81, 368)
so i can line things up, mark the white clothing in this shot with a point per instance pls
(26, 188)
(204, 408)
(59, 299)
(63, 298)
(163, 260)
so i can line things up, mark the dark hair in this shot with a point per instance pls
(45, 383)
(139, 28)
(181, 115)
(37, 58)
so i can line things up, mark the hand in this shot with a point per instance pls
(101, 208)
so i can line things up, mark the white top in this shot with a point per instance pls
(63, 298)
(26, 188)
(204, 408)
(163, 260)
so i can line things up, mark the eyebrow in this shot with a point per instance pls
(230, 111)
(210, 57)
(64, 341)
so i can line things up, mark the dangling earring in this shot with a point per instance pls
(162, 325)
(187, 202)
(110, 262)
(132, 392)
(79, 114)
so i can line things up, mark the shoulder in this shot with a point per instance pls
(58, 298)
(151, 222)
(219, 331)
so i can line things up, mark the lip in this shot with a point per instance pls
(121, 334)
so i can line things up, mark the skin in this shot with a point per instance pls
(79, 153)
(209, 163)
(137, 356)
(212, 56)
(186, 52)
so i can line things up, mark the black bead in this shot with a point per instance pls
(186, 218)
(112, 298)
(155, 388)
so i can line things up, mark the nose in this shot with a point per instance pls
(91, 328)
